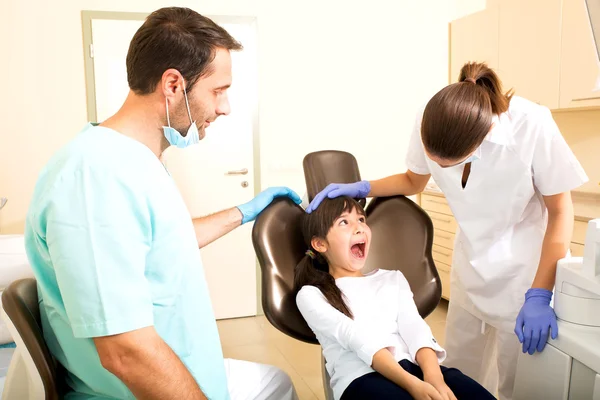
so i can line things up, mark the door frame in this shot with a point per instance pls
(86, 19)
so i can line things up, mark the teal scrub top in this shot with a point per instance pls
(113, 248)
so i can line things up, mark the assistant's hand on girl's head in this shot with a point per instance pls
(356, 190)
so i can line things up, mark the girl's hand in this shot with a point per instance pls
(421, 390)
(444, 391)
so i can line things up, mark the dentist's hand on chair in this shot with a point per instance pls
(251, 209)
(356, 190)
(535, 320)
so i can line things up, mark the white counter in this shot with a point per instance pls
(13, 266)
(13, 260)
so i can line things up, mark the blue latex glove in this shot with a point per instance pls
(535, 319)
(356, 190)
(251, 209)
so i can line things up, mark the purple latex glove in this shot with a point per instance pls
(356, 190)
(535, 319)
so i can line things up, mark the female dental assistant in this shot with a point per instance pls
(507, 173)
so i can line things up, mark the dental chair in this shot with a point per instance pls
(402, 238)
(33, 373)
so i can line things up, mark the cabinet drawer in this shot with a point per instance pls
(442, 254)
(576, 249)
(445, 278)
(443, 222)
(579, 230)
(435, 203)
(444, 239)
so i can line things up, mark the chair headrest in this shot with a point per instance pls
(328, 166)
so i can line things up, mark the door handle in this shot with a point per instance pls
(242, 171)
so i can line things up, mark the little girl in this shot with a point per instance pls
(375, 343)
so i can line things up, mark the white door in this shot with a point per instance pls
(209, 174)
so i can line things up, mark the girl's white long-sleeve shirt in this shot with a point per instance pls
(385, 316)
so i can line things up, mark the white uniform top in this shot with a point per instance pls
(501, 213)
(385, 316)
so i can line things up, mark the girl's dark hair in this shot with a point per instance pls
(315, 271)
(458, 117)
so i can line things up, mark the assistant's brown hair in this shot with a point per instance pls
(313, 269)
(458, 117)
(174, 37)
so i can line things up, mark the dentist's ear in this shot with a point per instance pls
(170, 83)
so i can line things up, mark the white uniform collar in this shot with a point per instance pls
(498, 134)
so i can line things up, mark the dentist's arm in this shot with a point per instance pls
(147, 366)
(557, 238)
(537, 320)
(212, 227)
(405, 184)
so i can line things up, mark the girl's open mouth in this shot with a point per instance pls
(358, 250)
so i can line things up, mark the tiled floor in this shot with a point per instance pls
(255, 339)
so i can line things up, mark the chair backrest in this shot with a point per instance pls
(279, 247)
(20, 303)
(402, 239)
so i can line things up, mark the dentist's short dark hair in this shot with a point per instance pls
(174, 37)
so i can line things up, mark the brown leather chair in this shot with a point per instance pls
(402, 239)
(20, 303)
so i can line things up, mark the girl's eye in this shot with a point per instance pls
(343, 222)
(362, 219)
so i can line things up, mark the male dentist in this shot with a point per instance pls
(123, 299)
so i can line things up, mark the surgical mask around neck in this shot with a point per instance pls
(474, 157)
(174, 137)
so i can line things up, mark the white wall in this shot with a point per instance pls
(333, 75)
(462, 8)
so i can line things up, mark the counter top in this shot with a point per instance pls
(585, 204)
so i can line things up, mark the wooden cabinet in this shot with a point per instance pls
(544, 49)
(578, 238)
(529, 42)
(579, 68)
(443, 238)
(474, 38)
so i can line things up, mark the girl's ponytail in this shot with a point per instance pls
(313, 270)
